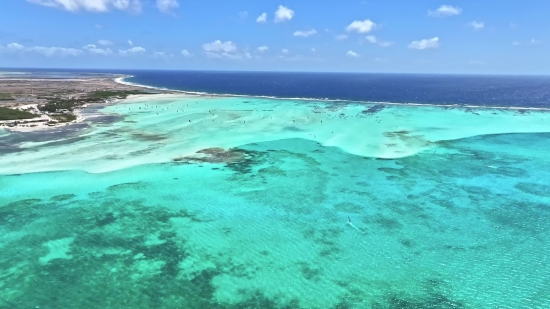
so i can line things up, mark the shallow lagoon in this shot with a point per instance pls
(444, 218)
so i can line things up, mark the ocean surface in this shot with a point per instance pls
(213, 201)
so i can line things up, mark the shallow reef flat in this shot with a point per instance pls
(160, 128)
(230, 220)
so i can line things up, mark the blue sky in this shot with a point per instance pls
(494, 37)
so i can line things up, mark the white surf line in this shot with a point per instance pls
(121, 80)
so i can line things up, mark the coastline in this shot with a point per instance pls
(29, 93)
(122, 80)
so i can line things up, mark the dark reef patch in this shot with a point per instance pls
(62, 197)
(374, 109)
(534, 188)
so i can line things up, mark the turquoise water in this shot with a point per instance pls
(124, 214)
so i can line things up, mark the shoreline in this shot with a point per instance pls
(73, 94)
(121, 80)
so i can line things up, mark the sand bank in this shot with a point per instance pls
(160, 128)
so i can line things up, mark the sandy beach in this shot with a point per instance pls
(27, 94)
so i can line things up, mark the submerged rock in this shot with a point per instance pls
(213, 155)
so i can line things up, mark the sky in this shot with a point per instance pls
(385, 36)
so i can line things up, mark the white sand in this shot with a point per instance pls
(58, 249)
(160, 128)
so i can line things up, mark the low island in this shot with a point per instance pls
(28, 104)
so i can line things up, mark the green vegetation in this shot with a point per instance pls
(58, 104)
(5, 96)
(64, 118)
(13, 114)
(115, 93)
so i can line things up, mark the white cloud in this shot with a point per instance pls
(364, 26)
(425, 44)
(15, 46)
(341, 37)
(445, 11)
(247, 55)
(476, 25)
(219, 49)
(352, 54)
(159, 54)
(91, 5)
(262, 48)
(166, 6)
(313, 49)
(305, 33)
(262, 18)
(133, 50)
(372, 39)
(284, 51)
(535, 42)
(219, 46)
(100, 51)
(46, 51)
(283, 14)
(186, 54)
(222, 55)
(104, 42)
(56, 51)
(130, 43)
(516, 43)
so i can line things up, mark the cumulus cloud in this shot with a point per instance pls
(341, 37)
(425, 44)
(91, 5)
(100, 51)
(283, 14)
(56, 51)
(445, 11)
(284, 51)
(476, 25)
(305, 33)
(186, 54)
(372, 39)
(46, 51)
(104, 42)
(352, 54)
(222, 55)
(262, 48)
(262, 18)
(166, 6)
(15, 46)
(219, 46)
(364, 26)
(131, 51)
(219, 49)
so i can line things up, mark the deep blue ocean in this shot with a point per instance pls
(490, 90)
(532, 91)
